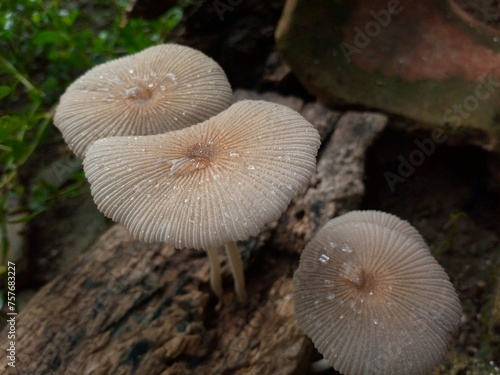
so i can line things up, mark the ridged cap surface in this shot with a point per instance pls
(162, 88)
(217, 181)
(386, 220)
(373, 299)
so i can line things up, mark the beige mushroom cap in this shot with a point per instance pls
(160, 89)
(387, 220)
(373, 299)
(214, 182)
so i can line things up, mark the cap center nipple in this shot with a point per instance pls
(198, 156)
(139, 94)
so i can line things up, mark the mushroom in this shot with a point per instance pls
(373, 299)
(211, 184)
(162, 88)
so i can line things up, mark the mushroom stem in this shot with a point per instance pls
(215, 273)
(236, 266)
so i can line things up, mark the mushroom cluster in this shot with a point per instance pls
(207, 185)
(165, 157)
(160, 89)
(373, 299)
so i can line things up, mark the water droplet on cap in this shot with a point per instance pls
(324, 258)
(346, 248)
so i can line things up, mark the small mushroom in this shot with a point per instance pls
(162, 88)
(211, 184)
(373, 299)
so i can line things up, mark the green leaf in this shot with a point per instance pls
(50, 37)
(4, 91)
(172, 18)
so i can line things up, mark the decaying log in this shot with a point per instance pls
(126, 307)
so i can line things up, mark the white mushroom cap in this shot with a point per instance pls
(214, 182)
(160, 89)
(373, 299)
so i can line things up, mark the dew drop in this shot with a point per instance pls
(346, 248)
(375, 321)
(330, 296)
(323, 258)
(233, 154)
(332, 245)
(172, 77)
(251, 167)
